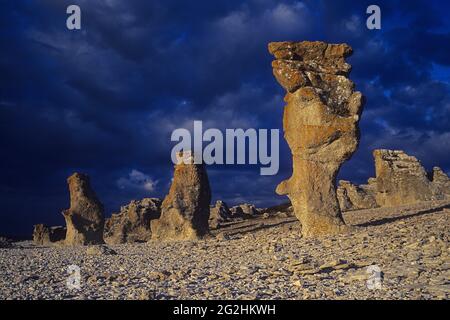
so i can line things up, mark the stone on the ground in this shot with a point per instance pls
(100, 249)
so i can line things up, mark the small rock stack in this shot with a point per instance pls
(185, 210)
(85, 218)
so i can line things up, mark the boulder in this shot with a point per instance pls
(353, 197)
(185, 210)
(320, 124)
(132, 223)
(85, 218)
(45, 235)
(401, 179)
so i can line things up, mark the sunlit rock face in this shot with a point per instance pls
(320, 124)
(402, 180)
(85, 218)
(185, 210)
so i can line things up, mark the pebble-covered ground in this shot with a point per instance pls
(263, 258)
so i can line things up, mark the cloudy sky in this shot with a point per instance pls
(104, 100)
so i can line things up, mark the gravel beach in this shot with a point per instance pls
(392, 253)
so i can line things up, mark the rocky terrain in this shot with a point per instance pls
(387, 239)
(264, 257)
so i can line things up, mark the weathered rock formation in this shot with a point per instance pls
(248, 209)
(441, 184)
(132, 223)
(402, 180)
(219, 214)
(353, 197)
(85, 218)
(45, 235)
(185, 210)
(320, 125)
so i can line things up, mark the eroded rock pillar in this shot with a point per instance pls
(320, 124)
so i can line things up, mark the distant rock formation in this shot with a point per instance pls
(320, 125)
(248, 209)
(45, 235)
(218, 214)
(402, 180)
(353, 197)
(132, 223)
(85, 217)
(185, 210)
(440, 183)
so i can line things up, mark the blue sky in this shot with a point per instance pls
(104, 100)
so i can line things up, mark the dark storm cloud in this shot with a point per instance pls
(104, 100)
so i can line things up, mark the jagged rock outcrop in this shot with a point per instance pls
(353, 197)
(132, 223)
(440, 184)
(320, 124)
(45, 235)
(185, 210)
(85, 218)
(401, 179)
(218, 214)
(237, 212)
(248, 209)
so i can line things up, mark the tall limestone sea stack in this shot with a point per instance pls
(85, 218)
(320, 124)
(185, 210)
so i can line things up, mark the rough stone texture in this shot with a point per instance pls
(45, 235)
(5, 243)
(248, 209)
(320, 124)
(246, 261)
(100, 250)
(85, 218)
(440, 184)
(401, 179)
(353, 197)
(237, 212)
(219, 214)
(132, 223)
(185, 210)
